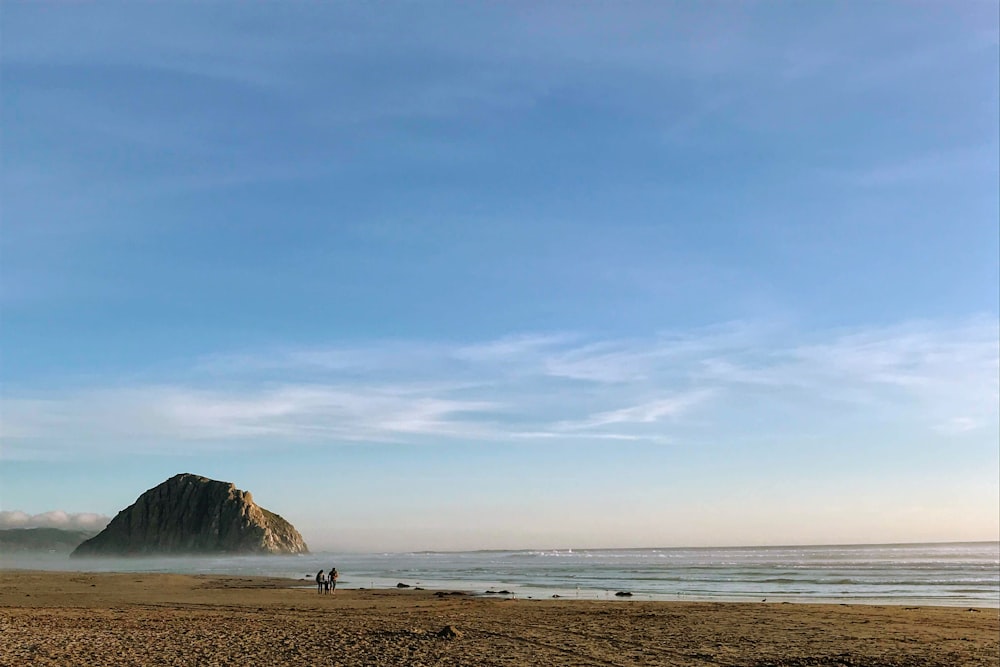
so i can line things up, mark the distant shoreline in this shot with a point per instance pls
(732, 547)
(548, 549)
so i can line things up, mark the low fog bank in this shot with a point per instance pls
(82, 521)
(41, 540)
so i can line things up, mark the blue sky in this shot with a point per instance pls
(441, 275)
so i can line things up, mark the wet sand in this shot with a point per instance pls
(72, 618)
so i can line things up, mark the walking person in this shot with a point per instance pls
(334, 575)
(320, 582)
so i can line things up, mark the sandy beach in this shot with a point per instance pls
(69, 618)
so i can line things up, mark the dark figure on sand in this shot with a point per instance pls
(334, 575)
(320, 581)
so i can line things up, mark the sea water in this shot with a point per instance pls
(966, 574)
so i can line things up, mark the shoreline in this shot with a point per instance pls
(139, 618)
(953, 574)
(306, 584)
(536, 593)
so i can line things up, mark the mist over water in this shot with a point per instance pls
(966, 574)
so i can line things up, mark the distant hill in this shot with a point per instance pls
(189, 514)
(13, 540)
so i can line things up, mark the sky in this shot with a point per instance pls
(506, 275)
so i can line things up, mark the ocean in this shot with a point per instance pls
(965, 574)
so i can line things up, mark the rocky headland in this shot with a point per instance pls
(189, 514)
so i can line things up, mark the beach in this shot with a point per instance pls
(75, 618)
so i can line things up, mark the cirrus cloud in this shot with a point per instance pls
(933, 377)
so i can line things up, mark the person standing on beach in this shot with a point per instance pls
(320, 581)
(334, 575)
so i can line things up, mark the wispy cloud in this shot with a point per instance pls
(944, 375)
(923, 169)
(941, 378)
(644, 413)
(513, 347)
(288, 412)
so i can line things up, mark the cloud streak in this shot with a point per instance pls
(645, 413)
(934, 377)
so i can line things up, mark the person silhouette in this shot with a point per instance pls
(334, 575)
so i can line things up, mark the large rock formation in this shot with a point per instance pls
(188, 514)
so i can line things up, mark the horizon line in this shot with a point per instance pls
(665, 548)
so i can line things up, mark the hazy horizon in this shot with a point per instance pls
(94, 523)
(445, 276)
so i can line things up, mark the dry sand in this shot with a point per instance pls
(162, 619)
